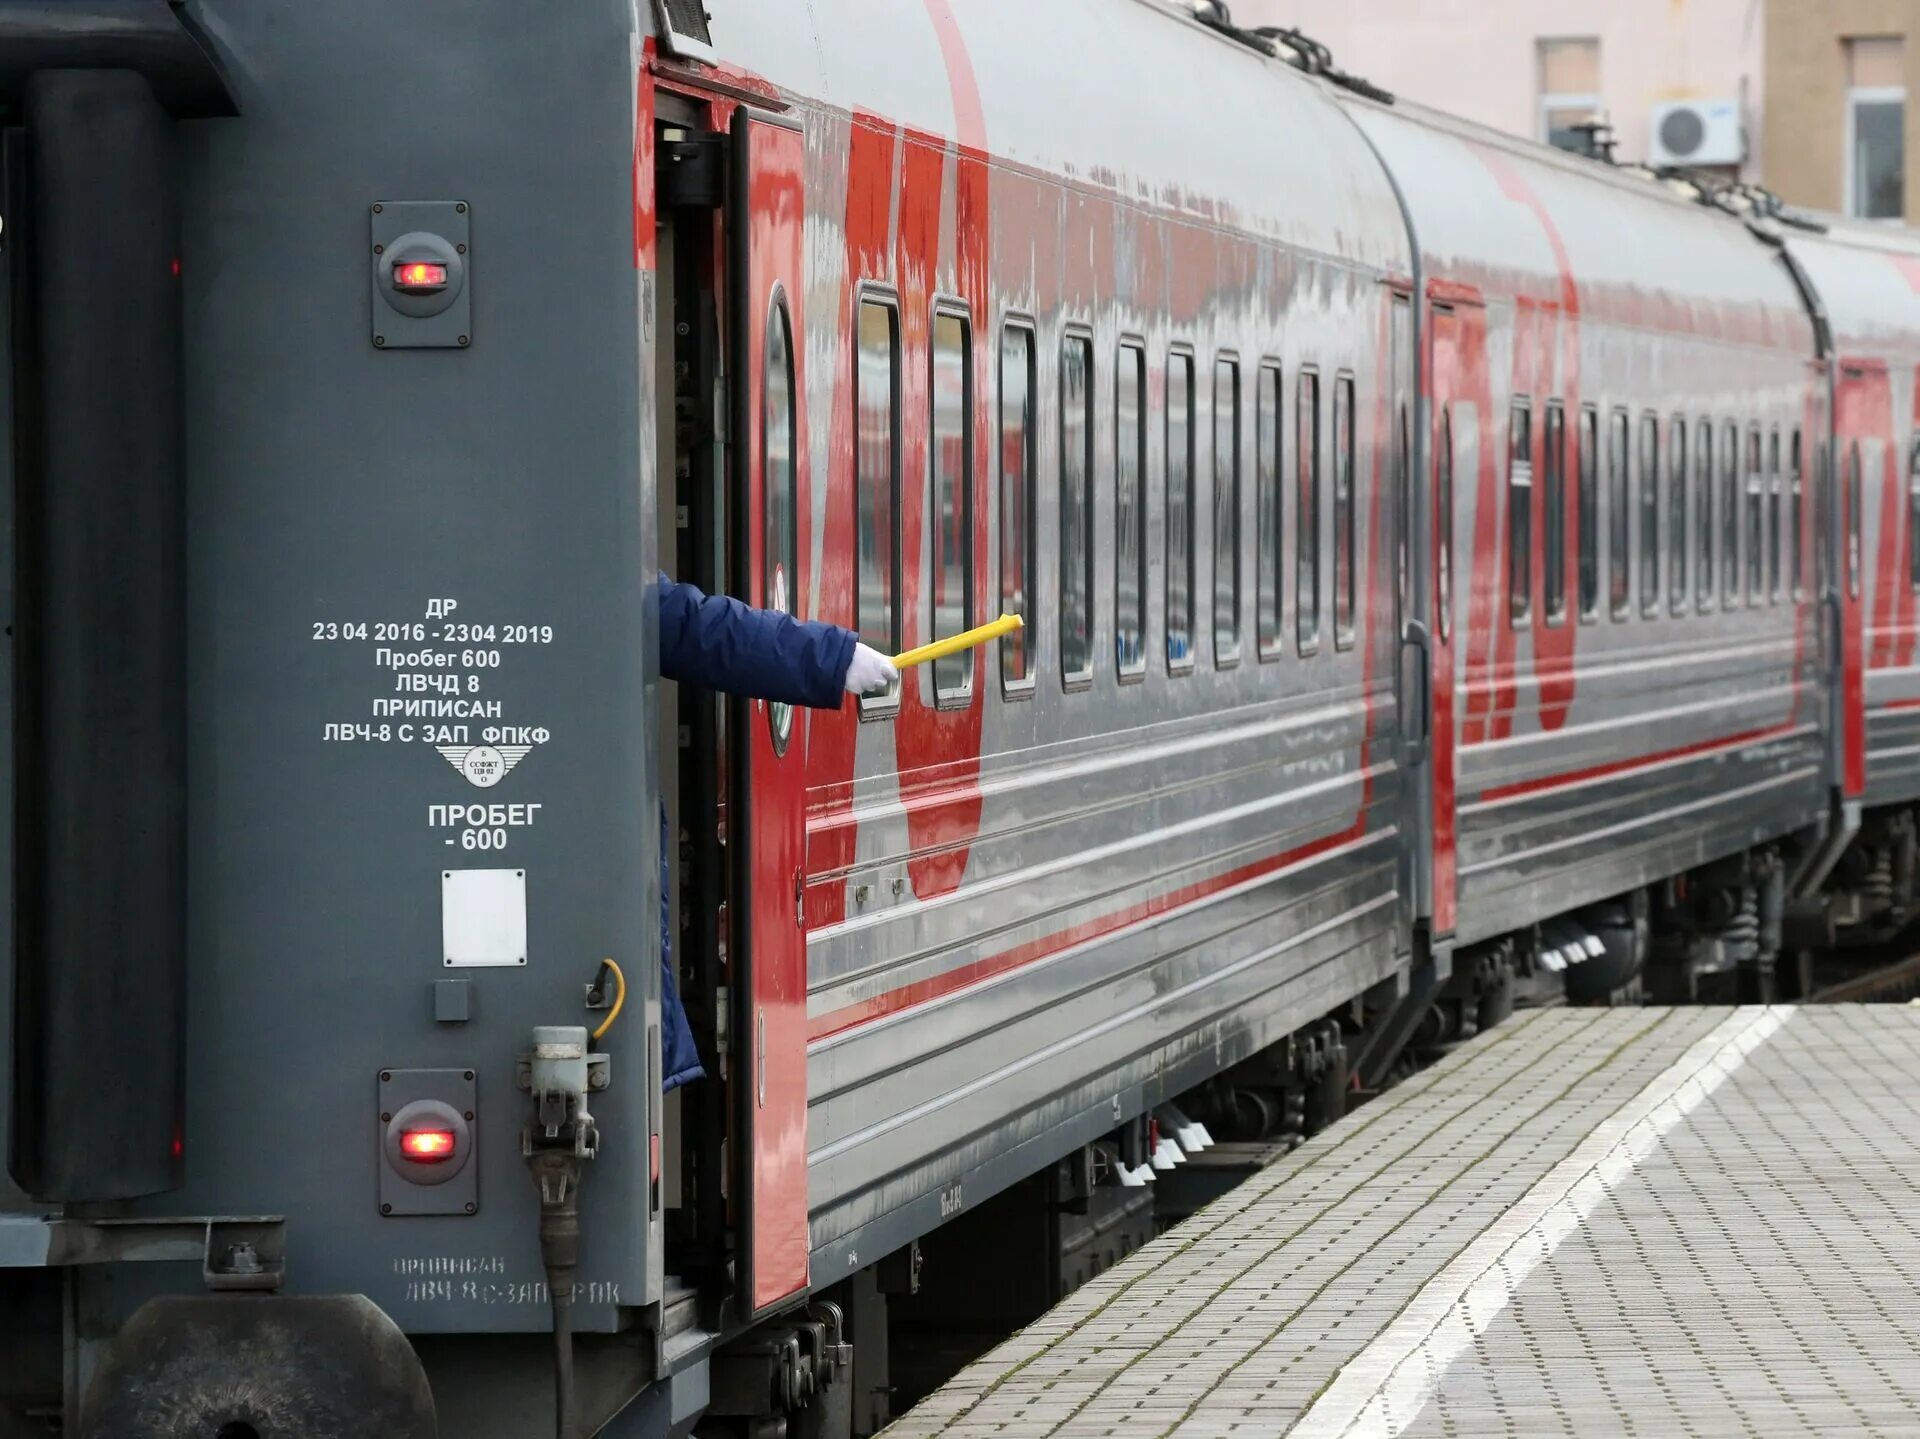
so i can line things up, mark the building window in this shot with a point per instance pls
(1520, 512)
(1269, 475)
(1179, 499)
(1130, 511)
(1226, 512)
(1017, 528)
(1553, 557)
(1076, 510)
(1569, 80)
(876, 386)
(1876, 157)
(951, 509)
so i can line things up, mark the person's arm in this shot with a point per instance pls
(722, 644)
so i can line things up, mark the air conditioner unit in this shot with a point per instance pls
(1697, 132)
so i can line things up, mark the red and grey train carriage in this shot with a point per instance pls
(1450, 568)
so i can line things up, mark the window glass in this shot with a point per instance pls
(1567, 76)
(1729, 514)
(1589, 513)
(1756, 520)
(1306, 610)
(1076, 508)
(951, 509)
(1649, 468)
(1343, 512)
(1776, 526)
(1553, 548)
(1179, 510)
(1519, 512)
(1913, 512)
(1619, 519)
(1269, 479)
(1016, 497)
(876, 383)
(1130, 511)
(1853, 499)
(780, 582)
(1703, 513)
(1876, 127)
(1677, 514)
(1226, 511)
(1796, 505)
(1443, 502)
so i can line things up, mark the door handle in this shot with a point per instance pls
(1416, 690)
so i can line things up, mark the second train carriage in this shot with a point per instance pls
(1435, 570)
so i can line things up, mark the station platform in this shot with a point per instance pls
(1635, 1221)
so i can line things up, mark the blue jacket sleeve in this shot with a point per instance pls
(721, 644)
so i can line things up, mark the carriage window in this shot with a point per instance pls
(1343, 512)
(950, 511)
(780, 582)
(1853, 498)
(1703, 514)
(1913, 509)
(1443, 502)
(1553, 558)
(1520, 513)
(1796, 504)
(1306, 544)
(876, 383)
(1226, 512)
(1017, 528)
(1756, 520)
(1677, 514)
(1268, 478)
(1076, 510)
(1589, 513)
(1776, 528)
(1649, 515)
(1130, 511)
(1729, 514)
(1179, 511)
(1619, 519)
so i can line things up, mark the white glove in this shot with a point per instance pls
(869, 671)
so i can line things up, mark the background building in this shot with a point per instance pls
(1837, 76)
(1540, 67)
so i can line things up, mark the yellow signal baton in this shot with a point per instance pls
(954, 644)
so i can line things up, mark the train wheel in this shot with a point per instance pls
(259, 1367)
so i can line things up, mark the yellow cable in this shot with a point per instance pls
(940, 649)
(618, 1000)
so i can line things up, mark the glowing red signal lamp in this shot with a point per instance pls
(419, 277)
(427, 1146)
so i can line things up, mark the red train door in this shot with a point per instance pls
(1863, 424)
(1451, 389)
(767, 742)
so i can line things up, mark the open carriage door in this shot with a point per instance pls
(1861, 420)
(1447, 386)
(1414, 680)
(767, 744)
